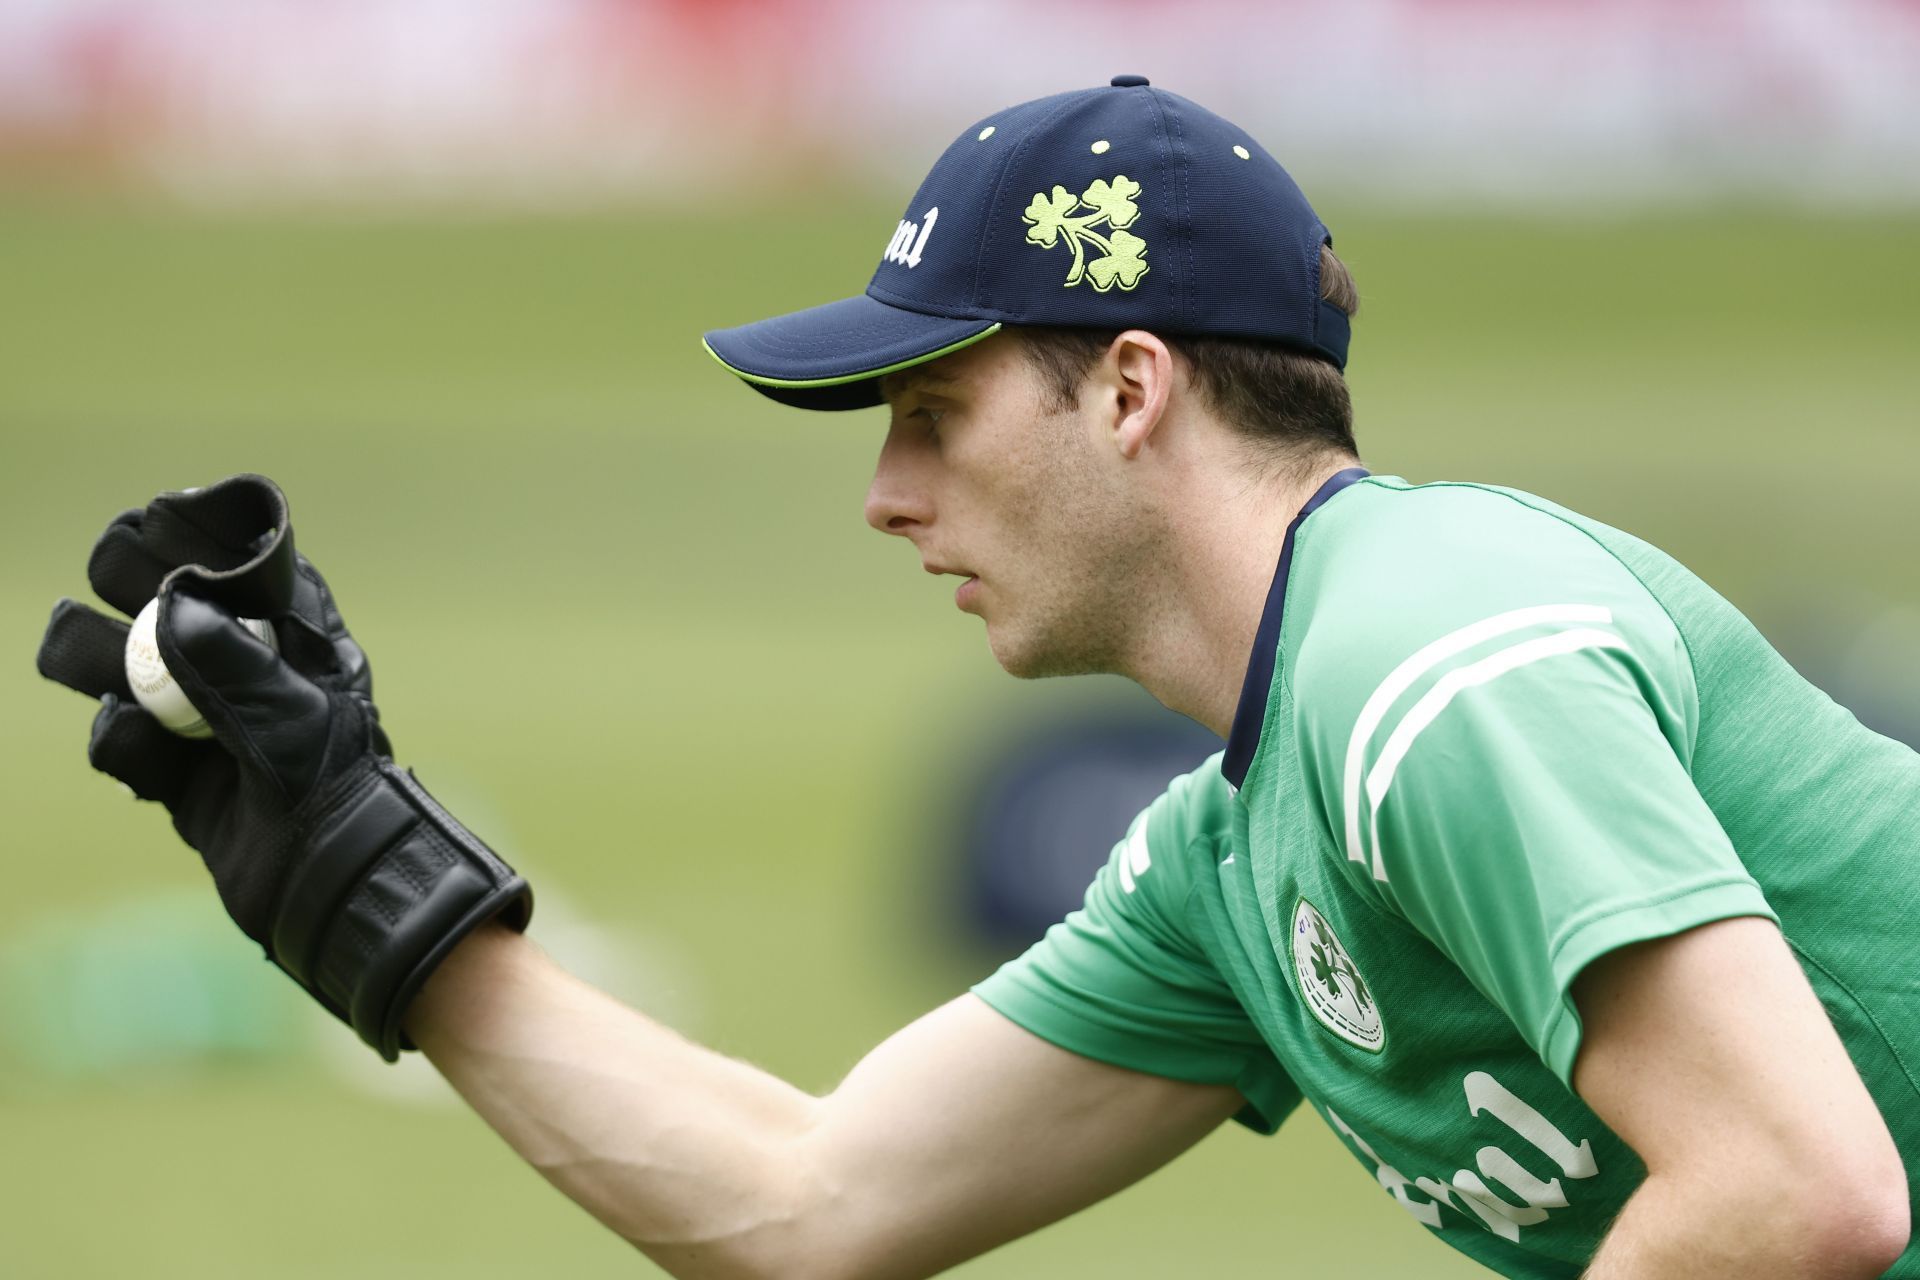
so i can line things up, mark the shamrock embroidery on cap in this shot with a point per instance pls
(1123, 254)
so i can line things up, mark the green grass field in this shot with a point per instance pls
(626, 618)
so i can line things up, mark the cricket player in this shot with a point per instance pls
(1529, 866)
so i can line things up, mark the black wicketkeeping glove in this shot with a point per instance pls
(328, 855)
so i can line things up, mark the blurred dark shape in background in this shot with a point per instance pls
(1043, 803)
(1860, 649)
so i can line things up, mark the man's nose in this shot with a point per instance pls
(896, 500)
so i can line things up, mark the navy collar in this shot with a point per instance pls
(1244, 740)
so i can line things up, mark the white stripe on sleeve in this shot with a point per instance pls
(1401, 678)
(1136, 861)
(1450, 686)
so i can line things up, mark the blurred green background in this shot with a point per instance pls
(626, 619)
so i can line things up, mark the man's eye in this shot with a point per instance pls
(929, 416)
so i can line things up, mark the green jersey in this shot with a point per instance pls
(1482, 742)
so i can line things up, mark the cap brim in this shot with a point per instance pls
(833, 356)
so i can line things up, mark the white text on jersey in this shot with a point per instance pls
(1467, 1190)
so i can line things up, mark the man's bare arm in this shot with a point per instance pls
(958, 1133)
(1711, 1056)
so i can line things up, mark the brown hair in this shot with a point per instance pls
(1283, 399)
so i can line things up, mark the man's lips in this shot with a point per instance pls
(965, 592)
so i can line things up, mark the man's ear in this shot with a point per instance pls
(1137, 373)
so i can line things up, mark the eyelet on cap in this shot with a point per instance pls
(1128, 82)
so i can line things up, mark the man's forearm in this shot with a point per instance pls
(1741, 1225)
(690, 1155)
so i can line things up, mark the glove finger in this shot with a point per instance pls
(258, 706)
(238, 539)
(124, 570)
(132, 746)
(223, 524)
(321, 645)
(85, 650)
(172, 534)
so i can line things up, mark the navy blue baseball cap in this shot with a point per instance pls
(1114, 208)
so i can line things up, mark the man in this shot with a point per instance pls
(1580, 918)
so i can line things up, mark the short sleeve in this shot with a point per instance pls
(1527, 805)
(1121, 981)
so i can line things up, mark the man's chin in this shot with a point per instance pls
(1023, 659)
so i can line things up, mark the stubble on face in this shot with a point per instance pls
(1083, 546)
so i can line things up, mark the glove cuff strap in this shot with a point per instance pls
(393, 882)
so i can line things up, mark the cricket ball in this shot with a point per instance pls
(155, 686)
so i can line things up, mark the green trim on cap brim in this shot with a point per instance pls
(843, 379)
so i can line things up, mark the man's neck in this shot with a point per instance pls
(1227, 549)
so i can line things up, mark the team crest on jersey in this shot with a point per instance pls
(1331, 984)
